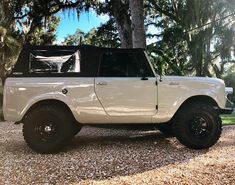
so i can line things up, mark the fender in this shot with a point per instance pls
(17, 116)
(47, 97)
(174, 91)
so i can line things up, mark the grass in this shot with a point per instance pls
(228, 119)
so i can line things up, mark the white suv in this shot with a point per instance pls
(55, 90)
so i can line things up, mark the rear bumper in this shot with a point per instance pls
(226, 111)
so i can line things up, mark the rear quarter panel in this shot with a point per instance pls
(21, 93)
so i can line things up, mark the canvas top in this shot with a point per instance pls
(82, 60)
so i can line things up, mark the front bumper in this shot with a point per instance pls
(226, 111)
(229, 103)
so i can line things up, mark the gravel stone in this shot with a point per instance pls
(111, 156)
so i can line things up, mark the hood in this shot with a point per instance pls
(193, 79)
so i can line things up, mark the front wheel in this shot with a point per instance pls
(48, 129)
(197, 126)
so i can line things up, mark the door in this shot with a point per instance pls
(126, 87)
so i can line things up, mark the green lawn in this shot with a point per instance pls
(228, 119)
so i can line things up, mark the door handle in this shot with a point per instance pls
(101, 83)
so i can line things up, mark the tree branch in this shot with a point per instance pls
(165, 12)
(21, 17)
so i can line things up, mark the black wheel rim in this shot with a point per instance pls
(200, 126)
(47, 130)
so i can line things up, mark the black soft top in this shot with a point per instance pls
(90, 58)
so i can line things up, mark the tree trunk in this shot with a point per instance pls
(2, 67)
(208, 58)
(137, 15)
(122, 19)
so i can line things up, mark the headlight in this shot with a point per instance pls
(228, 90)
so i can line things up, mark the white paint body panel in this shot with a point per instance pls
(174, 91)
(122, 100)
(22, 93)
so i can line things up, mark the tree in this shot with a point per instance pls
(200, 41)
(194, 37)
(137, 17)
(9, 40)
(16, 24)
(104, 36)
(9, 49)
(33, 14)
(129, 20)
(46, 34)
(74, 39)
(118, 10)
(194, 26)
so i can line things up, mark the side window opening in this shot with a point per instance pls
(124, 64)
(45, 62)
(117, 64)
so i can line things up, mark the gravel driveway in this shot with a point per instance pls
(108, 156)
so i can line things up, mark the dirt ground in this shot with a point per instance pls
(109, 156)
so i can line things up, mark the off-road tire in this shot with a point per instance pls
(197, 125)
(47, 129)
(76, 128)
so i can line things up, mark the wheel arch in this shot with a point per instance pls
(200, 98)
(49, 102)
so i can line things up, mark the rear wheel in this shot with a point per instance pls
(197, 126)
(48, 129)
(76, 128)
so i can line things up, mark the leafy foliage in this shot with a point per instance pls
(188, 37)
(192, 35)
(9, 49)
(20, 23)
(9, 40)
(104, 36)
(46, 35)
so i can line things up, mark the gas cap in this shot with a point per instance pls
(64, 91)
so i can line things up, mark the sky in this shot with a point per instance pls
(70, 23)
(87, 20)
